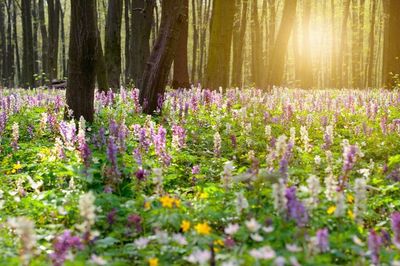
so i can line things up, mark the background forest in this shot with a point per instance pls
(330, 43)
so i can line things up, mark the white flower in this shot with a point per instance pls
(314, 189)
(280, 261)
(97, 260)
(241, 202)
(317, 160)
(252, 225)
(268, 229)
(87, 210)
(141, 242)
(293, 248)
(231, 229)
(360, 198)
(180, 239)
(256, 237)
(278, 192)
(199, 256)
(265, 253)
(25, 230)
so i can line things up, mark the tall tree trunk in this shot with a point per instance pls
(361, 30)
(141, 23)
(127, 40)
(27, 40)
(113, 43)
(101, 69)
(356, 46)
(10, 47)
(181, 72)
(54, 26)
(306, 69)
(371, 50)
(238, 42)
(15, 41)
(195, 41)
(35, 38)
(3, 45)
(392, 52)
(82, 59)
(155, 75)
(45, 41)
(277, 65)
(342, 67)
(256, 46)
(63, 52)
(219, 54)
(271, 31)
(334, 53)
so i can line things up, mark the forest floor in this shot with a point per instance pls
(291, 177)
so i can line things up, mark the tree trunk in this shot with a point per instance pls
(238, 43)
(306, 69)
(356, 46)
(45, 41)
(271, 31)
(63, 55)
(10, 47)
(371, 50)
(334, 54)
(127, 40)
(256, 46)
(54, 26)
(82, 59)
(3, 45)
(392, 52)
(101, 69)
(113, 43)
(35, 38)
(195, 41)
(219, 54)
(181, 73)
(15, 41)
(141, 23)
(342, 67)
(155, 75)
(27, 40)
(277, 65)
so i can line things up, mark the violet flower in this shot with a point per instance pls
(322, 240)
(295, 208)
(396, 228)
(374, 246)
(62, 245)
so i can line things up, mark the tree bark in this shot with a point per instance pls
(280, 48)
(3, 45)
(54, 7)
(238, 43)
(113, 43)
(101, 69)
(155, 75)
(82, 59)
(306, 69)
(45, 41)
(342, 67)
(195, 41)
(181, 72)
(63, 53)
(127, 40)
(392, 52)
(219, 54)
(141, 23)
(356, 46)
(256, 46)
(15, 41)
(27, 40)
(371, 50)
(10, 47)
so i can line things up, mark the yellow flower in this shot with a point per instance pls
(17, 166)
(203, 229)
(331, 210)
(350, 198)
(177, 202)
(219, 242)
(204, 195)
(147, 205)
(350, 214)
(167, 201)
(153, 262)
(185, 226)
(13, 171)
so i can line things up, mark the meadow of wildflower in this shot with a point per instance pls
(241, 177)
